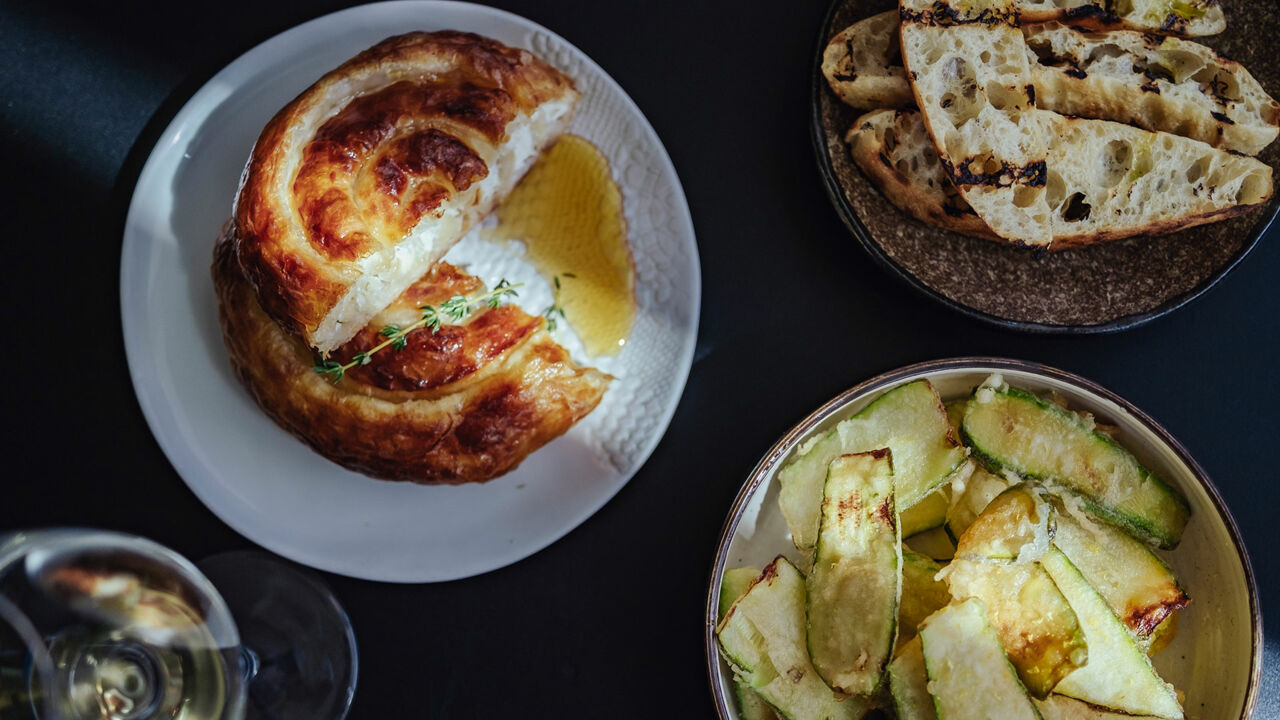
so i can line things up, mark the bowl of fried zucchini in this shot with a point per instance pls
(981, 538)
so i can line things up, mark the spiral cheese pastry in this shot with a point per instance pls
(363, 182)
(464, 403)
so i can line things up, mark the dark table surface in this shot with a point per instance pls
(607, 622)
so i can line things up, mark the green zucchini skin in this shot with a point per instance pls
(856, 581)
(909, 420)
(762, 637)
(969, 676)
(909, 684)
(1118, 675)
(999, 426)
(1061, 707)
(733, 585)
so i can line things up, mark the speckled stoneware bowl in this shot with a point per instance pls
(1095, 289)
(1216, 658)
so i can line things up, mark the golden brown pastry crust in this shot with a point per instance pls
(486, 396)
(348, 167)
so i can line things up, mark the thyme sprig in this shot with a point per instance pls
(455, 309)
(555, 310)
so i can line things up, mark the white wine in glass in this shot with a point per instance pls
(103, 626)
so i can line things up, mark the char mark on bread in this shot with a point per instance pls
(940, 14)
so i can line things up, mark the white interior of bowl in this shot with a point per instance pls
(1212, 659)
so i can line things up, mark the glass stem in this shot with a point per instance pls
(249, 664)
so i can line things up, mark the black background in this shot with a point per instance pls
(607, 622)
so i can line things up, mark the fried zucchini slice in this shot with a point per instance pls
(856, 578)
(995, 561)
(969, 676)
(762, 637)
(1118, 675)
(929, 513)
(1009, 429)
(1017, 523)
(909, 420)
(733, 585)
(978, 490)
(1138, 587)
(909, 684)
(922, 594)
(1033, 620)
(935, 543)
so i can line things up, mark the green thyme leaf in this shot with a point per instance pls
(455, 308)
(334, 369)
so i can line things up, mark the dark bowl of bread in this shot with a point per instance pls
(1064, 167)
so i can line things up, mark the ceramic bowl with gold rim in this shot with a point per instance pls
(1215, 659)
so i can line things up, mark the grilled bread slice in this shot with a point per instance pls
(1167, 17)
(863, 64)
(1105, 180)
(971, 78)
(1156, 83)
(895, 151)
(361, 183)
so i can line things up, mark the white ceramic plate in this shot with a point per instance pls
(272, 488)
(1216, 657)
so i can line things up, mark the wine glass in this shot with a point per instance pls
(101, 625)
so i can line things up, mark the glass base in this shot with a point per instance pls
(299, 656)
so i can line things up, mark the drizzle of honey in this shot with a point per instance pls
(568, 213)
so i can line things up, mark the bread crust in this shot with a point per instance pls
(401, 132)
(400, 418)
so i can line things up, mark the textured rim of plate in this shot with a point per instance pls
(849, 216)
(138, 348)
(764, 471)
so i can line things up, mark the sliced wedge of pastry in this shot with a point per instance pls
(968, 68)
(357, 187)
(1105, 180)
(1156, 83)
(464, 403)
